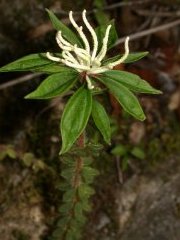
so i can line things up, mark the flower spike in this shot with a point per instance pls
(86, 59)
(90, 86)
(80, 31)
(63, 43)
(103, 51)
(93, 34)
(123, 58)
(52, 58)
(68, 56)
(59, 38)
(79, 67)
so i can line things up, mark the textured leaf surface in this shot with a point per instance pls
(67, 33)
(131, 81)
(89, 174)
(100, 31)
(85, 191)
(120, 150)
(68, 174)
(132, 57)
(51, 68)
(54, 85)
(101, 120)
(75, 117)
(127, 99)
(69, 195)
(26, 63)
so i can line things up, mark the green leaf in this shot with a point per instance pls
(70, 235)
(63, 186)
(96, 148)
(66, 32)
(7, 151)
(85, 205)
(101, 120)
(26, 63)
(89, 174)
(68, 174)
(63, 222)
(119, 150)
(101, 17)
(65, 208)
(127, 100)
(131, 81)
(138, 153)
(54, 85)
(75, 117)
(68, 162)
(100, 31)
(51, 68)
(78, 211)
(85, 191)
(87, 161)
(69, 195)
(132, 57)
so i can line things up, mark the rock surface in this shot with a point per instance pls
(149, 207)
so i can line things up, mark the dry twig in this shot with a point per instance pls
(19, 80)
(146, 13)
(109, 7)
(149, 31)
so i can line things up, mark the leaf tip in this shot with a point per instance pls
(159, 92)
(146, 53)
(62, 151)
(47, 10)
(142, 117)
(27, 96)
(30, 96)
(108, 142)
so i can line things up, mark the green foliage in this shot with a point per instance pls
(7, 151)
(75, 117)
(35, 63)
(77, 175)
(27, 63)
(67, 33)
(101, 120)
(138, 153)
(100, 31)
(132, 57)
(55, 85)
(126, 152)
(51, 68)
(127, 99)
(63, 78)
(119, 150)
(131, 81)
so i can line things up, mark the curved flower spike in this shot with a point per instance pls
(123, 58)
(86, 59)
(93, 34)
(80, 31)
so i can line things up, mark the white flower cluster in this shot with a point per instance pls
(86, 59)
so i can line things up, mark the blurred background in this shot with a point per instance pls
(138, 190)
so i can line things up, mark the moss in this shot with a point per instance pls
(159, 148)
(20, 235)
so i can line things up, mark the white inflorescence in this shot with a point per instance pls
(86, 59)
